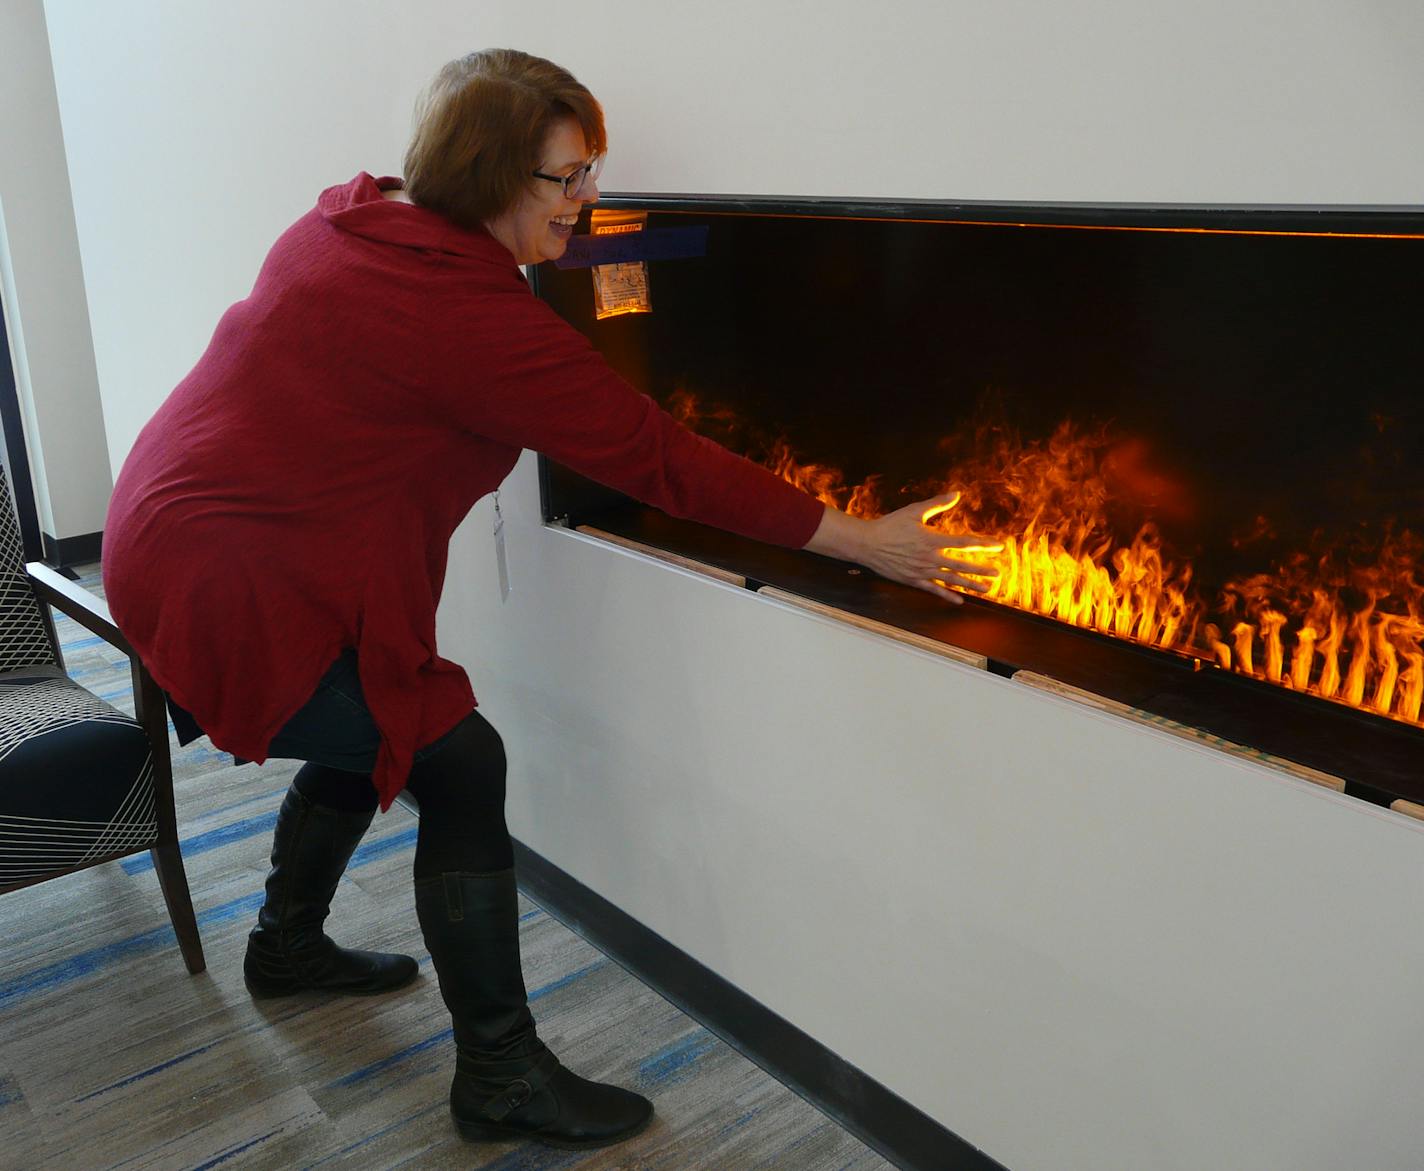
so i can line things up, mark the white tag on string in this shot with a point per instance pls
(500, 556)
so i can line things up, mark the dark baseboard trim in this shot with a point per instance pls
(881, 1119)
(64, 552)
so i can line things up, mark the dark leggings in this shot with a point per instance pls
(460, 790)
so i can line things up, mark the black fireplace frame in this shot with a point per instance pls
(1379, 760)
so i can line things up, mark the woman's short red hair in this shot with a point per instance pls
(481, 127)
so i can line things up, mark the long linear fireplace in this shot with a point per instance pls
(1194, 435)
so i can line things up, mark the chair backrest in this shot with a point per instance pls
(25, 639)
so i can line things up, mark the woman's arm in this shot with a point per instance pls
(514, 372)
(901, 547)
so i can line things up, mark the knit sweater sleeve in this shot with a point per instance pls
(513, 371)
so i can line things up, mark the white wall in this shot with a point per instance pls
(1088, 947)
(45, 310)
(196, 130)
(1079, 943)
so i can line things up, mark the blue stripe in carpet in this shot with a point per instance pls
(86, 963)
(263, 823)
(564, 981)
(78, 673)
(676, 1060)
(199, 753)
(370, 851)
(234, 909)
(367, 1071)
(530, 1157)
(232, 1154)
(740, 1122)
(269, 798)
(212, 840)
(128, 1081)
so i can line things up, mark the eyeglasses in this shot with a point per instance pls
(576, 179)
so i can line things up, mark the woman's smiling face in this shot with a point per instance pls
(538, 227)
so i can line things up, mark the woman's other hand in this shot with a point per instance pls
(902, 547)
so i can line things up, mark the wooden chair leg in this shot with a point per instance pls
(150, 711)
(173, 881)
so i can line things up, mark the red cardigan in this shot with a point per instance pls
(296, 493)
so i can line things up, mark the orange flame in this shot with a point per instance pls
(1347, 631)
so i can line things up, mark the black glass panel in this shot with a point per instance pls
(1266, 387)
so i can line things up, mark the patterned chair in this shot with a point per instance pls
(80, 782)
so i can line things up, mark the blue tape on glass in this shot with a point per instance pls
(628, 247)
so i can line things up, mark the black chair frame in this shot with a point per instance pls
(53, 589)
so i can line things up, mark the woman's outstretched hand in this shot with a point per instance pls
(903, 548)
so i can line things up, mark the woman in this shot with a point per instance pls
(277, 541)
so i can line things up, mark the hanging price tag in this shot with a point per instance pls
(500, 556)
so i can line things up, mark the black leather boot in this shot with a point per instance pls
(287, 951)
(507, 1084)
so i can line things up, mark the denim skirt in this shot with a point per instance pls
(334, 727)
